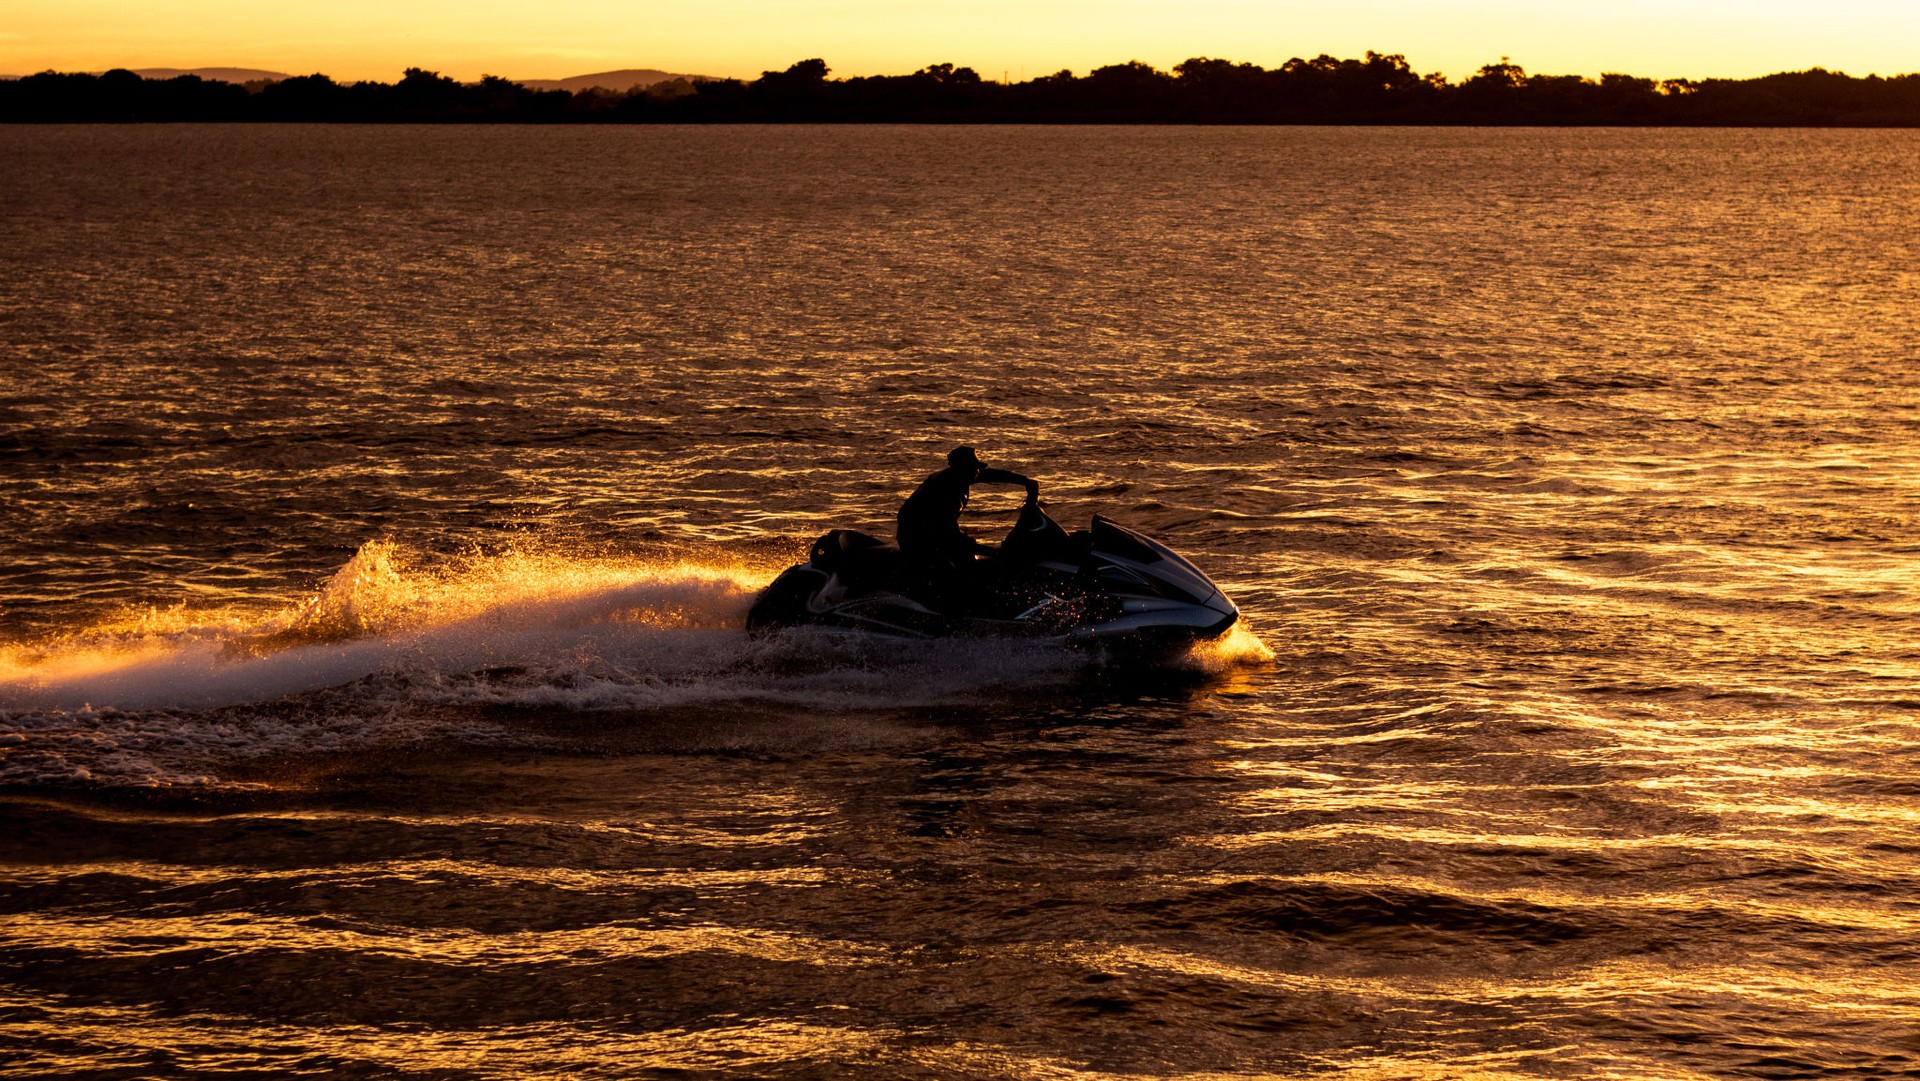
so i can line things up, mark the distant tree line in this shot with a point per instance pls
(1375, 90)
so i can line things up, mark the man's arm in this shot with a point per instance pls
(1007, 476)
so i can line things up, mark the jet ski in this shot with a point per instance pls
(1105, 586)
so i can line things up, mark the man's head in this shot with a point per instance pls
(964, 459)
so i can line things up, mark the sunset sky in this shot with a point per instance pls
(1016, 39)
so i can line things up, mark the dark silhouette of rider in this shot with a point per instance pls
(928, 527)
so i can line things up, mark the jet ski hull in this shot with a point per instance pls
(1108, 588)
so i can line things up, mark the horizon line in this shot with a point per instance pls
(273, 75)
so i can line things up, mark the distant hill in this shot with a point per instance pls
(219, 75)
(223, 75)
(618, 81)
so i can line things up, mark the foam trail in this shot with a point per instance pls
(372, 617)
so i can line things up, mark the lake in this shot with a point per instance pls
(383, 505)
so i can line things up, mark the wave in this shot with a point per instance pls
(399, 646)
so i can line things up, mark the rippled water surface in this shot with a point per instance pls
(382, 507)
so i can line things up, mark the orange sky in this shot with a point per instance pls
(375, 39)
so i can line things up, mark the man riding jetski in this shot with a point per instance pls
(1107, 585)
(928, 525)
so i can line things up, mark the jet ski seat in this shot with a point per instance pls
(860, 560)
